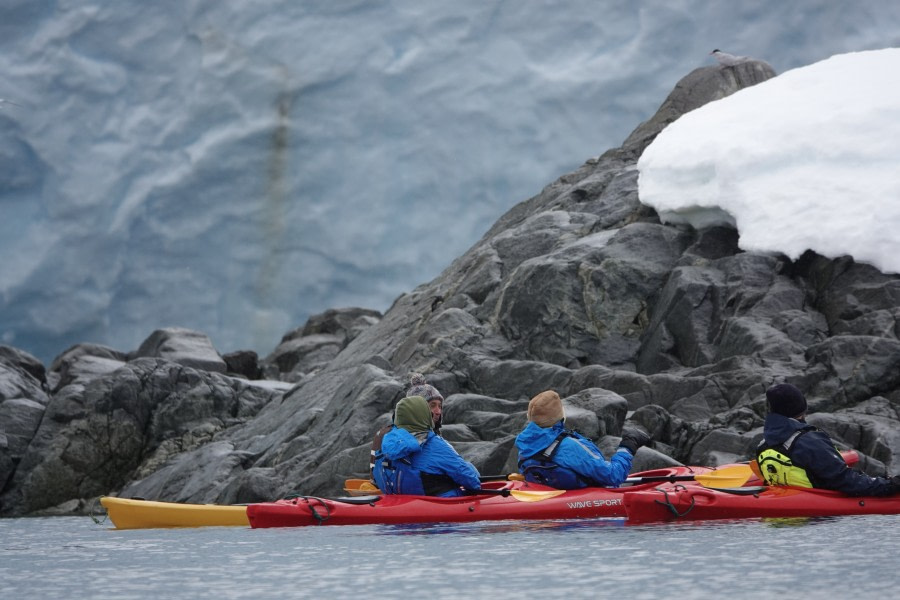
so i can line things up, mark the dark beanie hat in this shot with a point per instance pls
(785, 399)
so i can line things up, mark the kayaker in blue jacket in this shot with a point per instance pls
(418, 386)
(552, 455)
(414, 460)
(792, 452)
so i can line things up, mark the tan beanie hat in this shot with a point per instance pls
(546, 409)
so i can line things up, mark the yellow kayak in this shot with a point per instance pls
(126, 513)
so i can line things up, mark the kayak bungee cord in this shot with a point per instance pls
(320, 519)
(668, 503)
(91, 513)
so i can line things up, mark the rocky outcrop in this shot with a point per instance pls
(104, 426)
(311, 347)
(189, 348)
(23, 399)
(580, 289)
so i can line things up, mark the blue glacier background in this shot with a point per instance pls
(234, 167)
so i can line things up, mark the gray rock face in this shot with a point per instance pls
(699, 87)
(23, 400)
(579, 289)
(107, 426)
(311, 347)
(190, 348)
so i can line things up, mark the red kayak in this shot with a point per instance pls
(500, 500)
(672, 502)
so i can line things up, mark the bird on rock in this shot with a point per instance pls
(728, 60)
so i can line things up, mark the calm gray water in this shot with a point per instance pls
(74, 557)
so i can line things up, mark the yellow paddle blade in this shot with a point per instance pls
(360, 487)
(534, 496)
(754, 466)
(515, 477)
(733, 476)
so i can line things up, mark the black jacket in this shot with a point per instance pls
(814, 452)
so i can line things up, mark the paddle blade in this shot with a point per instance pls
(733, 476)
(754, 466)
(360, 487)
(534, 496)
(851, 457)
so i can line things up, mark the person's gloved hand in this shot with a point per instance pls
(632, 439)
(895, 484)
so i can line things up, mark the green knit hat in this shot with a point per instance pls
(414, 415)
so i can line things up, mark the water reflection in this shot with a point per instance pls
(492, 527)
(797, 521)
(774, 522)
(63, 558)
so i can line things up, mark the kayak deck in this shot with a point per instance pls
(128, 513)
(694, 503)
(524, 501)
(401, 509)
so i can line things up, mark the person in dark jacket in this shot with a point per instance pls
(552, 455)
(415, 460)
(792, 452)
(418, 386)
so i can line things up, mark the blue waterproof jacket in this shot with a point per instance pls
(403, 466)
(814, 452)
(575, 453)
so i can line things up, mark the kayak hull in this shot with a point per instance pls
(545, 503)
(694, 503)
(588, 503)
(127, 513)
(535, 502)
